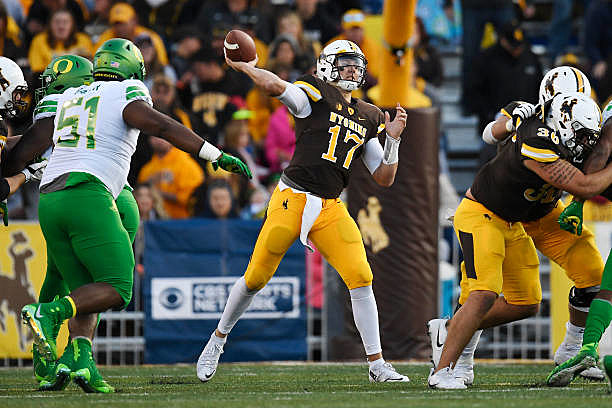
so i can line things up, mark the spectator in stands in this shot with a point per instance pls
(213, 94)
(505, 72)
(290, 23)
(124, 24)
(10, 41)
(258, 203)
(237, 141)
(280, 142)
(429, 73)
(60, 38)
(284, 51)
(598, 45)
(220, 203)
(318, 25)
(228, 13)
(248, 22)
(40, 13)
(165, 16)
(353, 30)
(475, 13)
(98, 21)
(153, 65)
(263, 105)
(187, 42)
(174, 173)
(150, 203)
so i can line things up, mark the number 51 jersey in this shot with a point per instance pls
(330, 138)
(90, 134)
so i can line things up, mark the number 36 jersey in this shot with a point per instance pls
(90, 134)
(330, 139)
(513, 192)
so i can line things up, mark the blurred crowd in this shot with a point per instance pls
(182, 45)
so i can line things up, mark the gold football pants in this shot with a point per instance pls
(498, 256)
(334, 233)
(577, 255)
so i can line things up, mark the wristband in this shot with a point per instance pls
(487, 134)
(209, 152)
(391, 150)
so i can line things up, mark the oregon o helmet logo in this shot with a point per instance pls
(67, 67)
(171, 298)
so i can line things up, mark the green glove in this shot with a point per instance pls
(232, 164)
(4, 212)
(571, 218)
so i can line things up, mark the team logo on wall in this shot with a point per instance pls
(204, 298)
(16, 288)
(372, 230)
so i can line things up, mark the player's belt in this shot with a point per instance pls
(290, 183)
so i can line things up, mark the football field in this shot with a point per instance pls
(305, 385)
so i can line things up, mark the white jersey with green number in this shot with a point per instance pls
(90, 134)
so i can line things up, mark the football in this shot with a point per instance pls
(239, 46)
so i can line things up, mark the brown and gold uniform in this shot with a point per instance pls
(513, 204)
(328, 142)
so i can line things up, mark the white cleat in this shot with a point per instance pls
(436, 328)
(445, 379)
(386, 373)
(465, 372)
(209, 359)
(567, 351)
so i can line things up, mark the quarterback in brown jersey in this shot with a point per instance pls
(521, 184)
(576, 254)
(333, 129)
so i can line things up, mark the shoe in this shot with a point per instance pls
(84, 371)
(42, 368)
(385, 373)
(465, 372)
(564, 373)
(209, 359)
(436, 328)
(45, 325)
(607, 364)
(445, 379)
(567, 351)
(59, 378)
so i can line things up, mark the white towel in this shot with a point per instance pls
(312, 209)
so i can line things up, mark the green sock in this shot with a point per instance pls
(598, 321)
(82, 347)
(64, 307)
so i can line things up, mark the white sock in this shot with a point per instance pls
(573, 334)
(217, 339)
(376, 363)
(365, 314)
(467, 355)
(238, 301)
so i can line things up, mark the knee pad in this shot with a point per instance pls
(255, 279)
(581, 298)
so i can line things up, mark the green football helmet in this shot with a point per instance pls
(118, 59)
(67, 71)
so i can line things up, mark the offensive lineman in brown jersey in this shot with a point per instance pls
(576, 254)
(332, 130)
(521, 184)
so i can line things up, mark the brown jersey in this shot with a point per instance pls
(508, 188)
(331, 138)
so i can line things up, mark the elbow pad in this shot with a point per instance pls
(296, 101)
(487, 134)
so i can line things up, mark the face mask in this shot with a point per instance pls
(156, 3)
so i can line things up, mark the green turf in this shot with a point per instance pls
(316, 385)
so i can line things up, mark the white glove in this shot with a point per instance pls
(524, 111)
(34, 171)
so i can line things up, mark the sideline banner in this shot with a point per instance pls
(23, 261)
(190, 268)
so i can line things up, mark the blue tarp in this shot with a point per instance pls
(190, 266)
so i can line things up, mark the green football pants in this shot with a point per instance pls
(88, 239)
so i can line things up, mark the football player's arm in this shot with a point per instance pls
(564, 176)
(141, 115)
(33, 143)
(267, 81)
(600, 154)
(387, 157)
(497, 130)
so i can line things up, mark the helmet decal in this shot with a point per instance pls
(566, 109)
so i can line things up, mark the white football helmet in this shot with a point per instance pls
(576, 120)
(13, 88)
(563, 79)
(338, 56)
